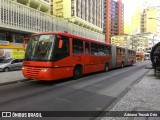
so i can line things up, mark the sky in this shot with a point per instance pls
(130, 6)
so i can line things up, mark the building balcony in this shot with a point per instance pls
(23, 1)
(57, 1)
(34, 3)
(43, 5)
(58, 7)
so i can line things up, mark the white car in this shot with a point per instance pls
(11, 64)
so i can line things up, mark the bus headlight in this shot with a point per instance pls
(45, 70)
(23, 68)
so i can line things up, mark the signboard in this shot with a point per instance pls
(17, 53)
(11, 53)
(4, 42)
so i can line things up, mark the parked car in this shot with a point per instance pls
(11, 64)
(2, 59)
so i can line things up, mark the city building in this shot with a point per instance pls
(151, 24)
(145, 22)
(41, 5)
(136, 42)
(113, 18)
(86, 13)
(121, 40)
(21, 18)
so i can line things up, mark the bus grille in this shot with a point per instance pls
(32, 72)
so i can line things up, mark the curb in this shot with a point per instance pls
(12, 82)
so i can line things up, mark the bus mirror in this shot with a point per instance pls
(60, 43)
(25, 40)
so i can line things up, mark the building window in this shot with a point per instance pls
(2, 36)
(19, 38)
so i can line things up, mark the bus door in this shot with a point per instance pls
(87, 59)
(127, 54)
(78, 52)
(94, 58)
(62, 60)
(114, 57)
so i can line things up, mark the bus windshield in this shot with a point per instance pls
(40, 47)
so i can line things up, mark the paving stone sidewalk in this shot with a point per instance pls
(143, 96)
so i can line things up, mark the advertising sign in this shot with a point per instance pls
(11, 53)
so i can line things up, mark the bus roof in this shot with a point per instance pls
(72, 35)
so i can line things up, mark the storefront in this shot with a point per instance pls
(11, 45)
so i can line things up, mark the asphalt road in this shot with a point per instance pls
(95, 92)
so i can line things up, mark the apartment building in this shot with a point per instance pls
(135, 42)
(113, 18)
(20, 18)
(122, 40)
(86, 13)
(150, 23)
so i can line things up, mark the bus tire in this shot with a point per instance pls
(106, 67)
(77, 73)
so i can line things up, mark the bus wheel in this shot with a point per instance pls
(122, 65)
(106, 67)
(77, 73)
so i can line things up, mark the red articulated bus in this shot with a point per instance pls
(57, 55)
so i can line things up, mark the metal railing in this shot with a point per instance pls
(19, 17)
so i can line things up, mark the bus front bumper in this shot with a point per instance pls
(38, 73)
(47, 74)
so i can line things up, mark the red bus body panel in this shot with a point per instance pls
(119, 60)
(64, 68)
(131, 59)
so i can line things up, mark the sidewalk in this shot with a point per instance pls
(11, 77)
(143, 96)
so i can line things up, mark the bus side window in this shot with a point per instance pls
(64, 50)
(77, 46)
(109, 49)
(118, 51)
(100, 50)
(87, 48)
(94, 48)
(122, 51)
(105, 50)
(129, 52)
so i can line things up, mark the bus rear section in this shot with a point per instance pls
(53, 56)
(118, 57)
(131, 57)
(122, 57)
